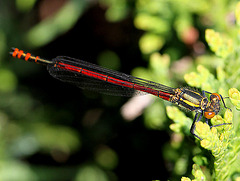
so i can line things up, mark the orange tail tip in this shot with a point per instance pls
(20, 54)
(15, 52)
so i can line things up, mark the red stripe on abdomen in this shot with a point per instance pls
(96, 75)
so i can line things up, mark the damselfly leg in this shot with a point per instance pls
(193, 127)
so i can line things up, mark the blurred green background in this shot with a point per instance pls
(54, 131)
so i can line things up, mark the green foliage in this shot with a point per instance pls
(62, 21)
(165, 18)
(155, 18)
(117, 10)
(25, 5)
(175, 28)
(222, 141)
(234, 96)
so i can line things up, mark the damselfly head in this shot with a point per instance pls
(209, 113)
(215, 95)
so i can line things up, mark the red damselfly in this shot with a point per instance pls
(93, 77)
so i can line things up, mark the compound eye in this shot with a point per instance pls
(216, 94)
(209, 115)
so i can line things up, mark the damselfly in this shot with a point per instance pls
(93, 77)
